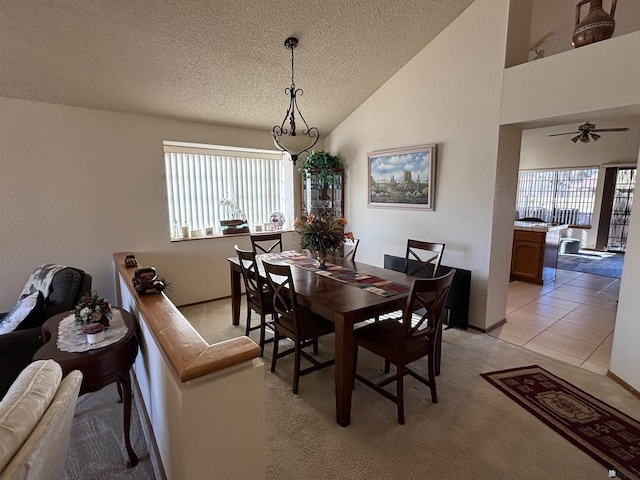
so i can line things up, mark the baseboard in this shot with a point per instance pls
(147, 430)
(623, 384)
(203, 301)
(492, 327)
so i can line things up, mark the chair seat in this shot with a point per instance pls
(311, 327)
(385, 337)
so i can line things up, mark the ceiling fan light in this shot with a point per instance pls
(595, 136)
(576, 138)
(584, 138)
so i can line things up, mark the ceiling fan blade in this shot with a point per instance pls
(595, 136)
(576, 138)
(622, 129)
(566, 133)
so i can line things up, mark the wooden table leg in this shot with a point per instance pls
(124, 383)
(344, 378)
(236, 295)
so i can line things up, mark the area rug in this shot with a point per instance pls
(597, 263)
(606, 434)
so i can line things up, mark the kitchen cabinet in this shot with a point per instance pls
(534, 257)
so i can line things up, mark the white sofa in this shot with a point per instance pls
(35, 422)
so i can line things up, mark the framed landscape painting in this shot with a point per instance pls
(402, 177)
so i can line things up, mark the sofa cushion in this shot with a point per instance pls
(24, 405)
(26, 313)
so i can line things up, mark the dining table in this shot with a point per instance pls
(342, 303)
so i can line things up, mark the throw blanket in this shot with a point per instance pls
(41, 279)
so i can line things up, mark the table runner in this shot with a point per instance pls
(369, 283)
(71, 338)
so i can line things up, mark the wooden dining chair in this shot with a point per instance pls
(266, 243)
(295, 322)
(422, 259)
(257, 293)
(405, 340)
(349, 250)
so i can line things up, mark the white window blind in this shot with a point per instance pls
(559, 196)
(199, 179)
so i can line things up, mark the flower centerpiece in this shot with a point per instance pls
(322, 233)
(93, 314)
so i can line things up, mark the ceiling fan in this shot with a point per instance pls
(588, 131)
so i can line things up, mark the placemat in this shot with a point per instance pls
(72, 339)
(369, 283)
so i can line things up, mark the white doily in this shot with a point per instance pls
(71, 338)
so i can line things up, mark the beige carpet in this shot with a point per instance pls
(474, 432)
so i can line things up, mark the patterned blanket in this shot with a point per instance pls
(41, 279)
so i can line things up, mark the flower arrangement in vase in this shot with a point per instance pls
(322, 233)
(93, 314)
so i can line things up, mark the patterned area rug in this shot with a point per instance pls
(370, 283)
(606, 434)
(597, 263)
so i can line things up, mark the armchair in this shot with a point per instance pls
(63, 287)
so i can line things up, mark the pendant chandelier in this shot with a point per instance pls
(291, 140)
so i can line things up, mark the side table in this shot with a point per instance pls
(99, 367)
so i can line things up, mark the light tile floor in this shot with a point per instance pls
(571, 319)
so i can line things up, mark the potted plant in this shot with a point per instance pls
(322, 233)
(236, 221)
(328, 166)
(93, 314)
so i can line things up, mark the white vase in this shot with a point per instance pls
(95, 337)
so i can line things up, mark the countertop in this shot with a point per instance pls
(539, 227)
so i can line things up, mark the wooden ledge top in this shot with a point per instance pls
(190, 355)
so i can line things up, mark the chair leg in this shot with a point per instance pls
(296, 367)
(263, 323)
(400, 393)
(315, 346)
(274, 358)
(248, 329)
(387, 365)
(432, 378)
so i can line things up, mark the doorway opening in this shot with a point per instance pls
(621, 209)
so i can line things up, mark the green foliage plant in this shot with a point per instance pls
(324, 163)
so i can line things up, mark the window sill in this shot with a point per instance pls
(231, 235)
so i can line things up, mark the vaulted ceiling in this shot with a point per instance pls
(213, 61)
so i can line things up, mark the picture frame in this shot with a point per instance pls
(402, 178)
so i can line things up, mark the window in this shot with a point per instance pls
(206, 184)
(558, 196)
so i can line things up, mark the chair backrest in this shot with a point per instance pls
(284, 295)
(255, 286)
(426, 300)
(349, 250)
(61, 286)
(266, 243)
(428, 256)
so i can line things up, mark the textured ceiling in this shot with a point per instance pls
(213, 61)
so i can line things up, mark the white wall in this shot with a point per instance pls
(454, 104)
(591, 80)
(625, 355)
(78, 185)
